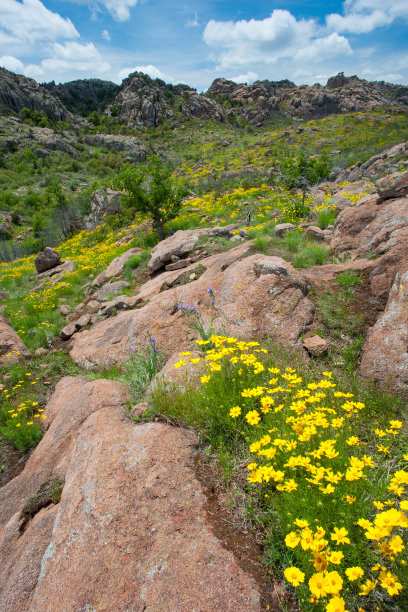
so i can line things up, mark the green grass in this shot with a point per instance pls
(311, 255)
(143, 364)
(294, 241)
(326, 217)
(24, 396)
(261, 243)
(133, 263)
(349, 279)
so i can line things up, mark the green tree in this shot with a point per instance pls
(305, 171)
(150, 190)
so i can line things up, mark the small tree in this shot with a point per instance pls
(150, 190)
(303, 172)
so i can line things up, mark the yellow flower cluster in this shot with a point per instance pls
(309, 451)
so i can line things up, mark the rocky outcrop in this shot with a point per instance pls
(132, 147)
(47, 259)
(378, 228)
(84, 95)
(385, 353)
(110, 290)
(12, 348)
(174, 248)
(17, 92)
(352, 193)
(255, 296)
(146, 102)
(379, 231)
(115, 267)
(256, 103)
(393, 186)
(183, 247)
(129, 530)
(103, 202)
(389, 161)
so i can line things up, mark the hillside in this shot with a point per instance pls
(215, 419)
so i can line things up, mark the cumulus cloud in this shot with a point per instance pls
(244, 43)
(362, 16)
(248, 78)
(75, 57)
(152, 71)
(327, 47)
(106, 35)
(30, 21)
(11, 63)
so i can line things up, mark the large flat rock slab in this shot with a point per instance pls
(255, 296)
(130, 532)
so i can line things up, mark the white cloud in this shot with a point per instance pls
(106, 35)
(330, 46)
(120, 8)
(248, 78)
(362, 16)
(30, 21)
(73, 57)
(152, 71)
(34, 71)
(11, 63)
(246, 43)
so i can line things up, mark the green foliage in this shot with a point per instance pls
(311, 255)
(336, 309)
(34, 117)
(349, 279)
(133, 263)
(327, 217)
(261, 243)
(305, 170)
(293, 241)
(151, 191)
(94, 117)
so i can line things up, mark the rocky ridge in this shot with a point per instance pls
(145, 102)
(17, 91)
(342, 94)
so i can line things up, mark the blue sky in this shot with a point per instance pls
(195, 42)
